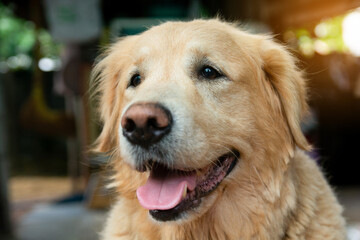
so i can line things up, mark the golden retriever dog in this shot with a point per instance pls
(202, 126)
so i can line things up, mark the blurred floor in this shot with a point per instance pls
(32, 188)
(349, 197)
(37, 217)
(66, 221)
(26, 192)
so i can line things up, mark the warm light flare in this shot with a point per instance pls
(351, 32)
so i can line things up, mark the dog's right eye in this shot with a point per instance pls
(209, 73)
(135, 80)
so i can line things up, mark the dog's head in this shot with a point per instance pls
(196, 112)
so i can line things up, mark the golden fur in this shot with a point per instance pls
(275, 191)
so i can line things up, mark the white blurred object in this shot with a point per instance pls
(353, 232)
(74, 21)
(49, 64)
(351, 32)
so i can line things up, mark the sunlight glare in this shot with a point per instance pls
(351, 32)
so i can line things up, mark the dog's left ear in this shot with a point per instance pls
(288, 84)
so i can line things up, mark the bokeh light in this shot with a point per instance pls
(351, 32)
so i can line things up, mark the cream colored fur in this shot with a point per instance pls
(274, 192)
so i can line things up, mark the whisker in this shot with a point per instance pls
(264, 184)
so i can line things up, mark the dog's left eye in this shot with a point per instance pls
(135, 80)
(209, 73)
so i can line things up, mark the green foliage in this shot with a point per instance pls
(333, 34)
(16, 35)
(48, 48)
(18, 38)
(324, 38)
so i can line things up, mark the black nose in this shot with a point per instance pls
(146, 123)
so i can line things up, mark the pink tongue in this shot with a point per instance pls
(163, 193)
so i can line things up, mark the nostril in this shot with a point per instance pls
(153, 123)
(130, 125)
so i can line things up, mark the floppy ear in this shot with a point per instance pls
(289, 87)
(105, 91)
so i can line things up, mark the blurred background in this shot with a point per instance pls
(52, 188)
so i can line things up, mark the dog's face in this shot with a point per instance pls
(193, 111)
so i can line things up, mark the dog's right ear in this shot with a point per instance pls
(106, 92)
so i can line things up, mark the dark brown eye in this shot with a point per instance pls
(209, 73)
(135, 80)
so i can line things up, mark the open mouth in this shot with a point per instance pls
(168, 193)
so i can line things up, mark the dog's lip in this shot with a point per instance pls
(150, 164)
(208, 179)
